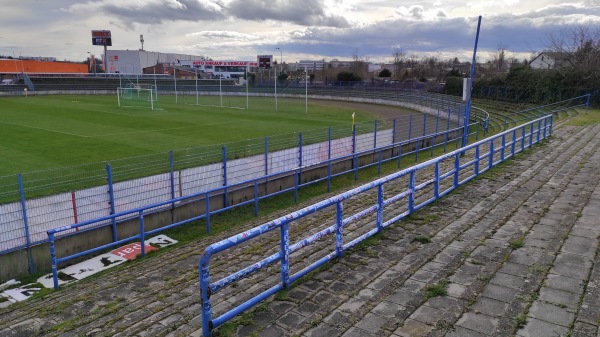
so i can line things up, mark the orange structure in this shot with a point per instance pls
(31, 66)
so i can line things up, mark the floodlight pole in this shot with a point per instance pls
(220, 89)
(467, 119)
(175, 81)
(275, 69)
(155, 85)
(306, 88)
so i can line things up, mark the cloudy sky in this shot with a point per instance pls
(302, 29)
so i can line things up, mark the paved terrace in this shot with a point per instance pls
(515, 252)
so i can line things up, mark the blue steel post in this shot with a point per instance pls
(437, 122)
(530, 135)
(423, 146)
(255, 197)
(225, 199)
(53, 260)
(207, 212)
(172, 177)
(551, 124)
(284, 246)
(514, 141)
(539, 129)
(523, 139)
(447, 129)
(339, 229)
(491, 156)
(295, 186)
(545, 127)
(411, 194)
(393, 133)
(456, 169)
(587, 104)
(502, 148)
(355, 164)
(111, 198)
(399, 154)
(142, 233)
(328, 159)
(375, 135)
(379, 219)
(300, 158)
(476, 165)
(436, 181)
(25, 222)
(205, 296)
(417, 149)
(266, 156)
(467, 119)
(424, 126)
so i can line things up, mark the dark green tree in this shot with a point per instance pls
(385, 73)
(346, 76)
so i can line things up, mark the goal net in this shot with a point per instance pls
(138, 97)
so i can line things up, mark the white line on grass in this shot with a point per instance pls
(44, 129)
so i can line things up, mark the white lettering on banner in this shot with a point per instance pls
(225, 63)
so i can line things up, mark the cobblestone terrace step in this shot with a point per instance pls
(514, 252)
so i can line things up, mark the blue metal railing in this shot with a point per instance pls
(450, 135)
(529, 133)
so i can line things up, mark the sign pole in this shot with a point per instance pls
(105, 61)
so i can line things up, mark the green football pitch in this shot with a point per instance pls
(45, 132)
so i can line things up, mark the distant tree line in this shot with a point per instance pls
(577, 74)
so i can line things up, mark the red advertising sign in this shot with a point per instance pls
(131, 251)
(101, 38)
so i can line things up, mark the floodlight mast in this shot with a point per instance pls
(467, 119)
(276, 80)
(142, 41)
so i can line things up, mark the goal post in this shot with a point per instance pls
(136, 96)
(218, 93)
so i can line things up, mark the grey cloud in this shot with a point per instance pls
(451, 35)
(175, 10)
(305, 13)
(417, 12)
(591, 9)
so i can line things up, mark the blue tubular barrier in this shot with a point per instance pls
(140, 213)
(507, 141)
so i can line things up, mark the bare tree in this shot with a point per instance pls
(501, 57)
(360, 64)
(580, 50)
(399, 60)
